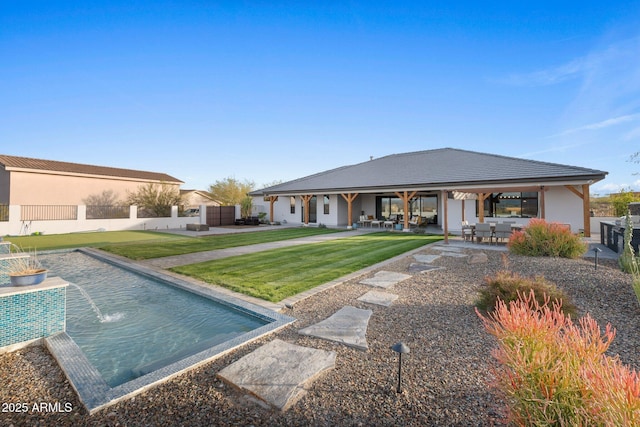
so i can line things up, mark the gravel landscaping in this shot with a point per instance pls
(446, 377)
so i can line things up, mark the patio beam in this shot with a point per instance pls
(349, 198)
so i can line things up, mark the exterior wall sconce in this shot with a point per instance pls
(400, 348)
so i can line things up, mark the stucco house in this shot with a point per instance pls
(28, 181)
(196, 198)
(442, 186)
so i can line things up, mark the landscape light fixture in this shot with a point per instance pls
(595, 252)
(400, 348)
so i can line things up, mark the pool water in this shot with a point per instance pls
(128, 324)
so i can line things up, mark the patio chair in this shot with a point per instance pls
(467, 231)
(417, 221)
(483, 230)
(502, 231)
(363, 221)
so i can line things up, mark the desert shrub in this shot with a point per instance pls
(554, 372)
(508, 286)
(628, 261)
(541, 238)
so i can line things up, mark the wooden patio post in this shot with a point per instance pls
(272, 200)
(305, 199)
(405, 196)
(542, 207)
(586, 215)
(349, 197)
(445, 206)
(481, 197)
(586, 198)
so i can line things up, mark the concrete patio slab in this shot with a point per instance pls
(385, 279)
(347, 326)
(278, 373)
(378, 298)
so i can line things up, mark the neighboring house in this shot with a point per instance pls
(195, 198)
(442, 186)
(27, 181)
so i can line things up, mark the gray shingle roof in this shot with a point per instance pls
(15, 162)
(440, 168)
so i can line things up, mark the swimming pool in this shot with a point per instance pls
(129, 326)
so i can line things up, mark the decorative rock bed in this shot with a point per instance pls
(445, 378)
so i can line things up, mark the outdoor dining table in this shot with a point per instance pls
(514, 227)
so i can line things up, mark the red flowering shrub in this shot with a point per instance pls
(541, 238)
(554, 372)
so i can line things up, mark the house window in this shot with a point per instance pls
(326, 205)
(292, 201)
(393, 207)
(511, 205)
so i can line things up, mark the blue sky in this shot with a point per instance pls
(266, 91)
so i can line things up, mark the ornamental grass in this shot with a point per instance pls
(541, 238)
(507, 286)
(554, 372)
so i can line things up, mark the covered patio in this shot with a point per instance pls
(442, 187)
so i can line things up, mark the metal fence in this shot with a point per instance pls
(48, 212)
(108, 212)
(160, 212)
(4, 212)
(220, 215)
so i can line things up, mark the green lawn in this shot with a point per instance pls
(96, 239)
(279, 273)
(187, 245)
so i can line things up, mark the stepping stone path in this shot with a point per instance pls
(419, 268)
(278, 373)
(347, 326)
(451, 251)
(425, 259)
(478, 258)
(379, 298)
(385, 279)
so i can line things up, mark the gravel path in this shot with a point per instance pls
(445, 377)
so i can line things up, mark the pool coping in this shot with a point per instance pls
(95, 394)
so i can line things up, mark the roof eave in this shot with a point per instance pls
(454, 185)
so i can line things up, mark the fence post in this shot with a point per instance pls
(133, 212)
(82, 213)
(203, 214)
(174, 212)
